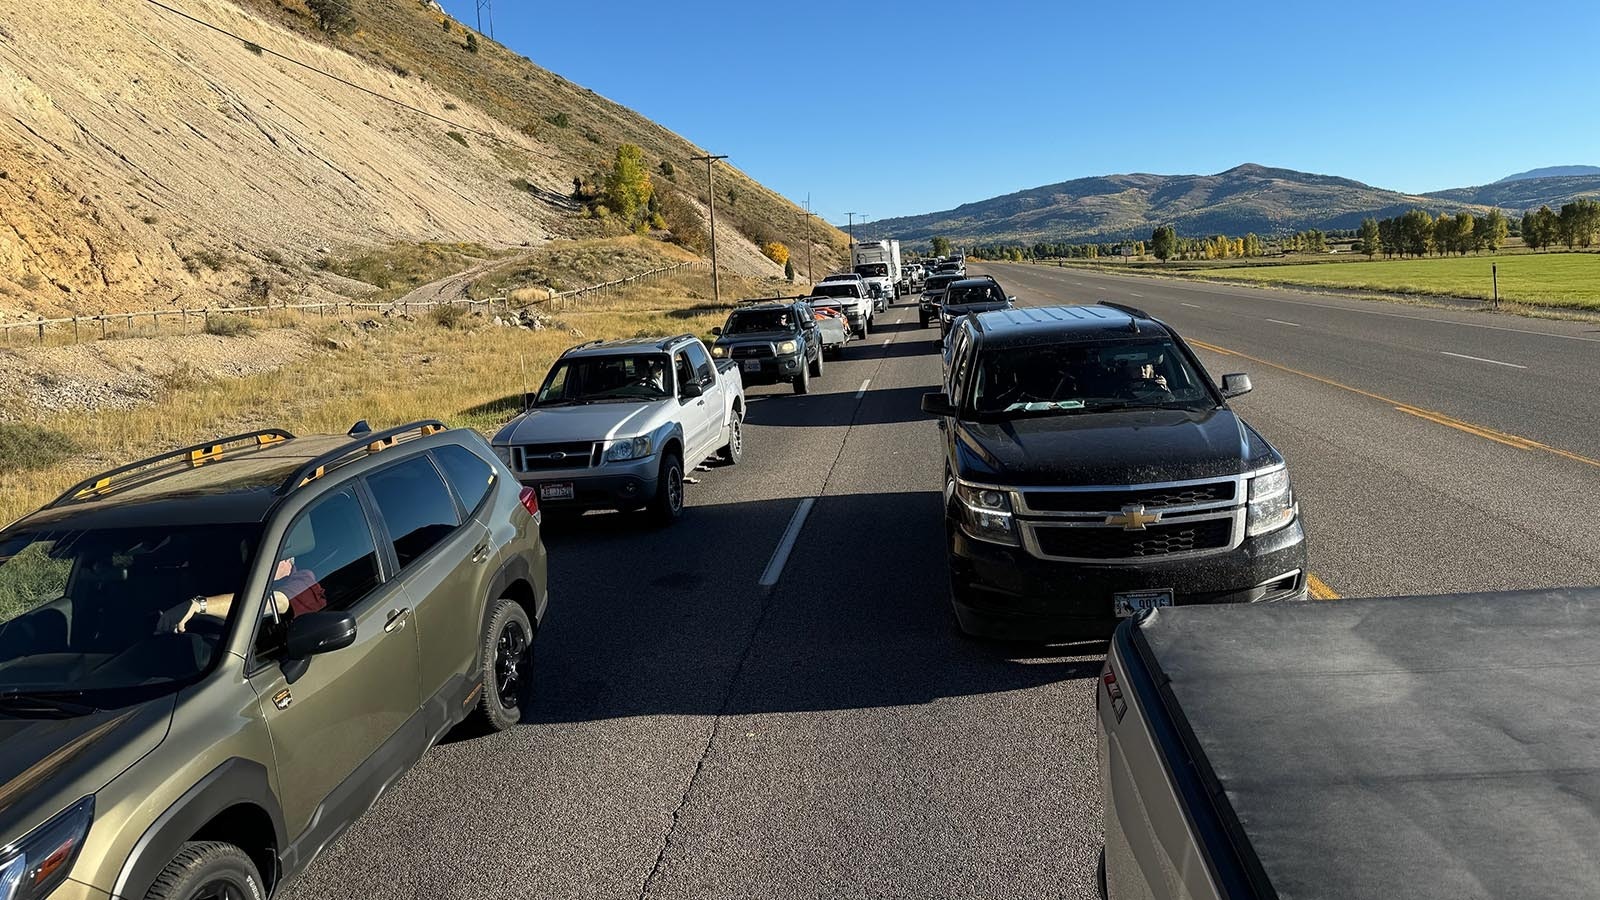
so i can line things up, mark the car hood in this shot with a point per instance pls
(1113, 448)
(47, 764)
(595, 422)
(757, 337)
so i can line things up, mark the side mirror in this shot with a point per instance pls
(717, 331)
(809, 325)
(690, 390)
(938, 404)
(313, 634)
(1012, 300)
(1235, 385)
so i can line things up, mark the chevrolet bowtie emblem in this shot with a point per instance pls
(1134, 518)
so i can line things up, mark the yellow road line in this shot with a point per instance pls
(1319, 589)
(1439, 418)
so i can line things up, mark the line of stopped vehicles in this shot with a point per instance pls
(212, 661)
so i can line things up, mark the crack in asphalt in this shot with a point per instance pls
(744, 656)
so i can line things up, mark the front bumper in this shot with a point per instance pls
(771, 369)
(616, 485)
(1007, 593)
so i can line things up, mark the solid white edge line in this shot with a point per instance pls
(1482, 360)
(1282, 322)
(780, 556)
(1190, 305)
(1135, 294)
(862, 391)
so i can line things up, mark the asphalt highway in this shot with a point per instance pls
(769, 699)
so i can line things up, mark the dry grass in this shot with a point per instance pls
(471, 375)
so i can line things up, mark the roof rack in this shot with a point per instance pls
(664, 343)
(576, 347)
(362, 442)
(773, 299)
(188, 457)
(1134, 311)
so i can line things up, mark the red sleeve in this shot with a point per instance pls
(304, 592)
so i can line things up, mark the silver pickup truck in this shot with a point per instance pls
(616, 423)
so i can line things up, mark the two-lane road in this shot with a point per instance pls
(768, 699)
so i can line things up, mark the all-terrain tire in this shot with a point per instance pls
(507, 672)
(667, 505)
(208, 868)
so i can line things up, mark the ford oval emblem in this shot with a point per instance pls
(557, 456)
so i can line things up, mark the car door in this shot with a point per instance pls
(443, 558)
(704, 411)
(344, 724)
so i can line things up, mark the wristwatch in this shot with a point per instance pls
(199, 602)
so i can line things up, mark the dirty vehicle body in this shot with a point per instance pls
(851, 291)
(1420, 747)
(772, 341)
(214, 660)
(833, 324)
(616, 422)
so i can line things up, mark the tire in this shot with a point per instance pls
(667, 505)
(816, 365)
(802, 382)
(202, 867)
(924, 320)
(733, 451)
(866, 329)
(507, 667)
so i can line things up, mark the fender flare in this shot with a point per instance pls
(514, 569)
(235, 782)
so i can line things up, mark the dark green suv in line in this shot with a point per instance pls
(214, 660)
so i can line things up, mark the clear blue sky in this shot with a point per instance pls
(1413, 96)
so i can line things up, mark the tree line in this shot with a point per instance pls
(1577, 225)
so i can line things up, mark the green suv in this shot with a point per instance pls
(214, 660)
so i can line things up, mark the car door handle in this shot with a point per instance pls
(481, 552)
(396, 620)
(701, 403)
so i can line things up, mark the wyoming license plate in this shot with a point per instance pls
(1126, 604)
(752, 365)
(556, 490)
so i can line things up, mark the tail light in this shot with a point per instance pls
(530, 501)
(1113, 691)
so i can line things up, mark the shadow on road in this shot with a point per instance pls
(672, 622)
(886, 407)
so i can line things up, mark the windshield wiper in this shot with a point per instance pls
(22, 703)
(1134, 404)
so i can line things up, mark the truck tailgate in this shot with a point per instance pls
(1431, 747)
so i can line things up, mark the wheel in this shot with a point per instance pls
(866, 328)
(208, 870)
(507, 666)
(667, 505)
(816, 366)
(802, 382)
(734, 450)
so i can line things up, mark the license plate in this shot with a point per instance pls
(556, 490)
(1127, 604)
(752, 365)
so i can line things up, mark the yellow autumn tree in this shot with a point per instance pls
(777, 252)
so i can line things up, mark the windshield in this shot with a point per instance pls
(873, 270)
(967, 294)
(1068, 378)
(938, 283)
(80, 610)
(838, 289)
(598, 379)
(756, 321)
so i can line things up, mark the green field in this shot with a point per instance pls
(1570, 280)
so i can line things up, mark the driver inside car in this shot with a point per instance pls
(294, 591)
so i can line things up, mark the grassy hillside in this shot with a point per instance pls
(1526, 193)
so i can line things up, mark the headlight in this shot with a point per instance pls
(1272, 503)
(36, 865)
(718, 350)
(787, 346)
(627, 448)
(986, 514)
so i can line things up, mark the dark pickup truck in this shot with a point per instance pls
(1093, 470)
(772, 341)
(1427, 748)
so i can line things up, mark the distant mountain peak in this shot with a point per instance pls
(1551, 172)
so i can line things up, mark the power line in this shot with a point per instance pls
(347, 83)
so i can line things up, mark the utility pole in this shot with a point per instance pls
(483, 5)
(711, 201)
(809, 275)
(853, 229)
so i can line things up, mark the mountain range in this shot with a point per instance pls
(1246, 198)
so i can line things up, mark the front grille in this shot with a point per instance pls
(536, 457)
(1116, 543)
(1111, 501)
(751, 351)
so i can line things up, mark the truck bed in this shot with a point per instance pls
(1429, 747)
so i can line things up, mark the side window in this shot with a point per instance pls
(327, 561)
(963, 361)
(684, 370)
(468, 475)
(415, 506)
(700, 361)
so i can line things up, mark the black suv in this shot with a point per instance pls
(970, 295)
(1092, 470)
(932, 293)
(773, 341)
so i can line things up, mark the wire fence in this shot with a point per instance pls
(158, 322)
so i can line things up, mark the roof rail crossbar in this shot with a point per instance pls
(772, 299)
(668, 342)
(192, 457)
(1134, 311)
(363, 442)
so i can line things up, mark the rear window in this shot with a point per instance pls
(469, 475)
(415, 506)
(940, 282)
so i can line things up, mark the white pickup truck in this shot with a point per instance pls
(616, 423)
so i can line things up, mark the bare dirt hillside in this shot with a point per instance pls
(147, 160)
